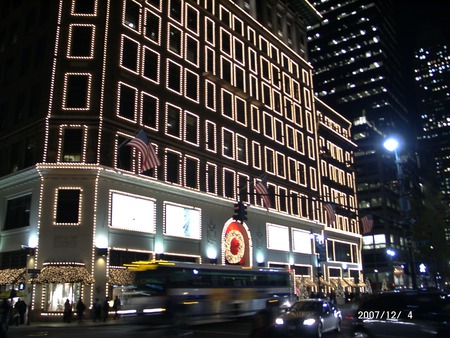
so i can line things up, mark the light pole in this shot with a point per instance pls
(392, 145)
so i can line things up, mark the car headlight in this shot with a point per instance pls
(286, 304)
(279, 321)
(309, 321)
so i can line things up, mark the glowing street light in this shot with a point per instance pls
(390, 252)
(391, 144)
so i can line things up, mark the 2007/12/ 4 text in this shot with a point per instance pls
(376, 314)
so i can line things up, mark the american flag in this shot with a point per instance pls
(261, 190)
(330, 208)
(367, 224)
(148, 153)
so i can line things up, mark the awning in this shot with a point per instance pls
(349, 282)
(64, 273)
(119, 276)
(325, 282)
(305, 281)
(12, 276)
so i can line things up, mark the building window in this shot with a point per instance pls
(192, 85)
(210, 95)
(229, 183)
(173, 121)
(210, 136)
(175, 10)
(174, 77)
(239, 76)
(68, 206)
(72, 145)
(150, 108)
(129, 57)
(18, 212)
(173, 167)
(124, 154)
(227, 104)
(226, 70)
(209, 24)
(239, 51)
(152, 29)
(256, 151)
(301, 173)
(81, 41)
(268, 127)
(266, 95)
(290, 141)
(191, 172)
(211, 178)
(281, 170)
(279, 135)
(127, 102)
(241, 111)
(192, 50)
(243, 188)
(191, 128)
(132, 17)
(192, 19)
(228, 144)
(210, 64)
(283, 200)
(300, 142)
(150, 67)
(265, 69)
(270, 159)
(77, 91)
(252, 59)
(175, 40)
(292, 163)
(241, 149)
(84, 7)
(255, 119)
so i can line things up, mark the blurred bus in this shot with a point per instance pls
(202, 292)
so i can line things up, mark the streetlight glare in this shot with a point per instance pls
(391, 144)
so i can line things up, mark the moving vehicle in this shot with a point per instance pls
(411, 313)
(310, 316)
(202, 291)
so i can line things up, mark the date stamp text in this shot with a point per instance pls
(377, 314)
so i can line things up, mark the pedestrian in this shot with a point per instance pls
(116, 306)
(5, 310)
(105, 309)
(67, 316)
(21, 308)
(80, 310)
(97, 310)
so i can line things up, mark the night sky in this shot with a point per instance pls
(417, 20)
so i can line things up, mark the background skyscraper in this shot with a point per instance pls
(359, 70)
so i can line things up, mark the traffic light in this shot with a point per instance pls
(236, 214)
(243, 212)
(240, 212)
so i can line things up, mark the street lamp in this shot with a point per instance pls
(391, 144)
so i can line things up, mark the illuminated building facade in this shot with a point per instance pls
(432, 72)
(224, 101)
(358, 71)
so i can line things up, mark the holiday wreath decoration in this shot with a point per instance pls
(234, 246)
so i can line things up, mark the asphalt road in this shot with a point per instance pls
(121, 329)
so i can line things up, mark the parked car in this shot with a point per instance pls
(310, 316)
(412, 313)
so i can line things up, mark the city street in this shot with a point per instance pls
(120, 329)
